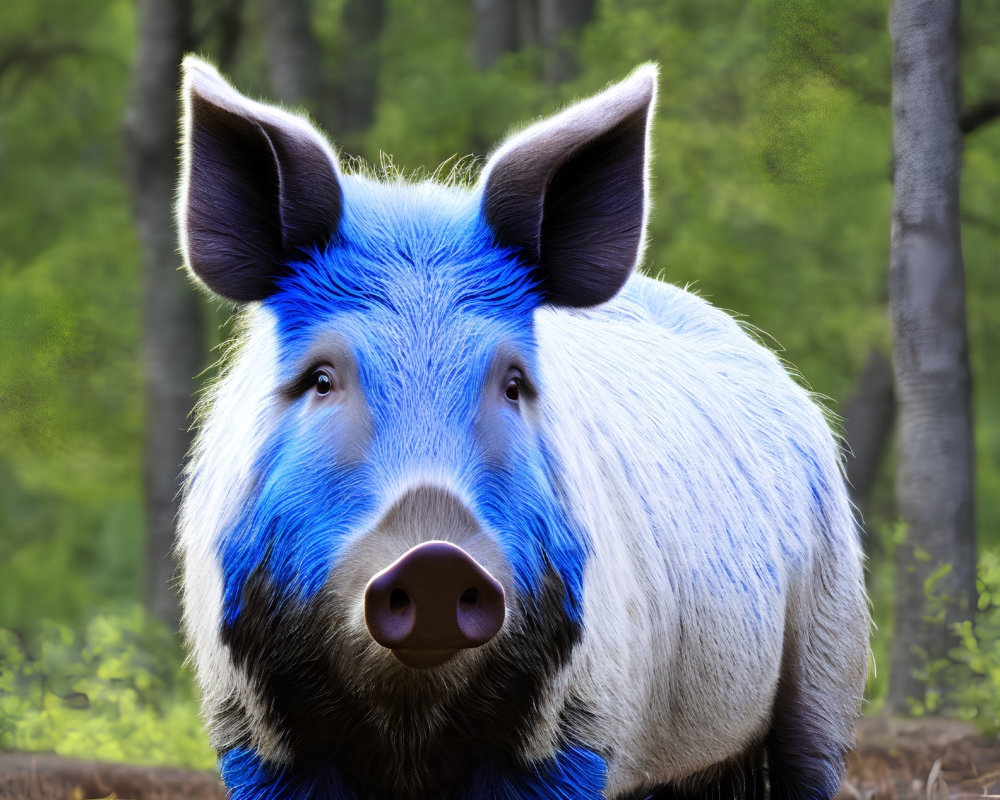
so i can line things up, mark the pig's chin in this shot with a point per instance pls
(439, 667)
(419, 680)
(423, 659)
(405, 669)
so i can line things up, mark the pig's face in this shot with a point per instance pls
(370, 524)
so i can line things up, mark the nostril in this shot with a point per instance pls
(399, 600)
(469, 599)
(480, 612)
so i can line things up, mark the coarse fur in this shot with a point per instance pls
(663, 504)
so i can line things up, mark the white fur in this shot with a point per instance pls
(218, 479)
(674, 668)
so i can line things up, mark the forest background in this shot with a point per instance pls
(772, 190)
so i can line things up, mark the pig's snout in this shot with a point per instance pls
(433, 601)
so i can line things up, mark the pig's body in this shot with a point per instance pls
(722, 520)
(660, 503)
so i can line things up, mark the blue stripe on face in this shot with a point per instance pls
(519, 505)
(416, 250)
(296, 524)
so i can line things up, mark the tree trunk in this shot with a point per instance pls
(294, 59)
(527, 23)
(363, 21)
(503, 26)
(935, 566)
(869, 415)
(172, 327)
(560, 20)
(344, 108)
(230, 24)
(495, 32)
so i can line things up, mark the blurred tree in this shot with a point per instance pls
(935, 564)
(32, 58)
(560, 23)
(496, 30)
(869, 415)
(343, 99)
(70, 391)
(363, 21)
(221, 32)
(172, 321)
(294, 58)
(504, 26)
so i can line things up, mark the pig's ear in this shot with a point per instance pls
(569, 193)
(258, 186)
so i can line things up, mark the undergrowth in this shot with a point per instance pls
(113, 689)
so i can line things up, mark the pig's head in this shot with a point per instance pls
(371, 514)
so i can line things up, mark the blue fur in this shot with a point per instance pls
(571, 774)
(248, 777)
(417, 286)
(301, 498)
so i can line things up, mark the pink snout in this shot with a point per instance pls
(433, 601)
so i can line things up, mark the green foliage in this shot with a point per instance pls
(881, 573)
(974, 685)
(966, 682)
(980, 244)
(70, 385)
(772, 197)
(936, 673)
(113, 690)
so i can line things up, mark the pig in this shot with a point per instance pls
(478, 511)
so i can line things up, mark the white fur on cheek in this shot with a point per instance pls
(237, 419)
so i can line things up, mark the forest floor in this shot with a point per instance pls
(922, 759)
(919, 759)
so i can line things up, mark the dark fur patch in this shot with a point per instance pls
(743, 778)
(397, 740)
(802, 761)
(258, 194)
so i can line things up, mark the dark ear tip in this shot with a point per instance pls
(569, 192)
(258, 184)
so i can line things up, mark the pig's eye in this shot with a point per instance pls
(513, 389)
(316, 381)
(322, 382)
